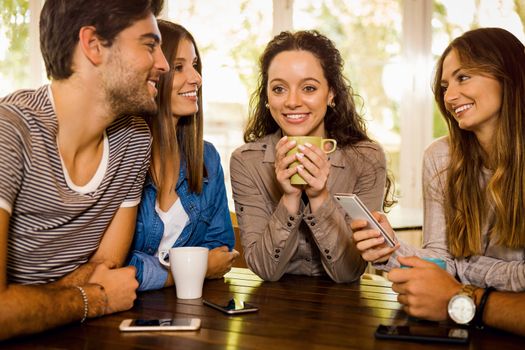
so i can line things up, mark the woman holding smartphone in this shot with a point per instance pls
(184, 198)
(474, 182)
(302, 229)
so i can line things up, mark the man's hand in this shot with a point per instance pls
(424, 289)
(119, 284)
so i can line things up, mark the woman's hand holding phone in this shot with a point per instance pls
(370, 242)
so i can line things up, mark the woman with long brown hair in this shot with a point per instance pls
(184, 199)
(302, 229)
(474, 178)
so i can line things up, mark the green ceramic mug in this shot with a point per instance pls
(313, 140)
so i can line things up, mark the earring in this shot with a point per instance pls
(267, 105)
(332, 104)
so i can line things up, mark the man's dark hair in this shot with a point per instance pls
(61, 20)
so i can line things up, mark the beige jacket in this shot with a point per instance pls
(276, 242)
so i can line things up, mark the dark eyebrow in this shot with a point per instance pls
(151, 36)
(454, 73)
(310, 78)
(302, 80)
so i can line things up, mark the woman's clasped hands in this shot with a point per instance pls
(314, 168)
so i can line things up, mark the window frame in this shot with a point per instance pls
(416, 104)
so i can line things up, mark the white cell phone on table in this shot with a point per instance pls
(164, 324)
(358, 211)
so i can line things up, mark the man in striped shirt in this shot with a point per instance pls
(73, 157)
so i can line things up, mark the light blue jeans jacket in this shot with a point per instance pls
(209, 222)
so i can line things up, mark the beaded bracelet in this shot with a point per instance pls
(85, 300)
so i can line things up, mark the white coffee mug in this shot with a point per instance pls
(188, 267)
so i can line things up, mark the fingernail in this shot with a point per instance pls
(299, 155)
(308, 144)
(301, 147)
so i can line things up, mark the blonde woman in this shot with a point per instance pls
(474, 178)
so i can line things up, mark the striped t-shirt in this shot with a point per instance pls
(55, 227)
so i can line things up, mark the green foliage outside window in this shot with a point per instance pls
(14, 27)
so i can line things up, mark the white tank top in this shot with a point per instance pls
(175, 219)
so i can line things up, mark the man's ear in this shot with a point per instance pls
(90, 44)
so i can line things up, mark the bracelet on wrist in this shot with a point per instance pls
(478, 318)
(85, 301)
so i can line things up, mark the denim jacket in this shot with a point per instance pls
(209, 222)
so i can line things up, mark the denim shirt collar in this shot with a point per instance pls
(189, 200)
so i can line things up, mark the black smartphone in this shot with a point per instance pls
(232, 307)
(425, 333)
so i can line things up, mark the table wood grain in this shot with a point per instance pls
(296, 312)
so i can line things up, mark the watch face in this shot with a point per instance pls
(461, 309)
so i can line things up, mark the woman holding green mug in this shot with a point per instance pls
(300, 228)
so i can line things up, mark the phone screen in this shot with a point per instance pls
(164, 322)
(424, 333)
(233, 306)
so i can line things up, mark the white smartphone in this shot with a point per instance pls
(165, 324)
(232, 307)
(358, 211)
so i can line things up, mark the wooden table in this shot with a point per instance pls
(295, 313)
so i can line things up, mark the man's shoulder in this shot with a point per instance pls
(26, 103)
(130, 126)
(130, 140)
(27, 98)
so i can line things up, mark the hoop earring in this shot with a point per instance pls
(267, 105)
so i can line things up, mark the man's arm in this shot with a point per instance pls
(425, 290)
(504, 310)
(30, 309)
(117, 239)
(119, 282)
(112, 250)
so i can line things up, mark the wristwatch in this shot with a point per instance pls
(461, 307)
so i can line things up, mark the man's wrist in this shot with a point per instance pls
(98, 300)
(480, 307)
(461, 307)
(478, 293)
